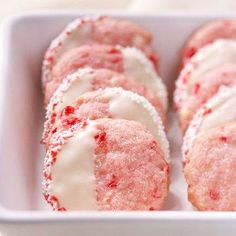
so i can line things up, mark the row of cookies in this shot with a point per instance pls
(205, 99)
(105, 123)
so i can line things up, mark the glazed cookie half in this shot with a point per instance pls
(108, 164)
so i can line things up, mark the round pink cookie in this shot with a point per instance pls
(210, 173)
(205, 88)
(208, 33)
(102, 30)
(129, 61)
(105, 165)
(87, 79)
(113, 103)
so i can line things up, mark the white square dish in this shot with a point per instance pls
(22, 209)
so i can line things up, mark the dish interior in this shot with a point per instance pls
(25, 39)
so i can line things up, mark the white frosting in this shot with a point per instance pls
(77, 38)
(128, 105)
(73, 172)
(121, 107)
(220, 52)
(79, 34)
(223, 111)
(79, 83)
(137, 65)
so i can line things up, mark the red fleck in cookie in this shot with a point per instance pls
(100, 30)
(108, 164)
(87, 79)
(130, 61)
(219, 110)
(203, 89)
(219, 53)
(113, 103)
(208, 33)
(210, 172)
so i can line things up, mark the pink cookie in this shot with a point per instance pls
(130, 61)
(220, 53)
(205, 88)
(208, 33)
(219, 110)
(108, 164)
(101, 30)
(210, 172)
(209, 153)
(87, 79)
(113, 103)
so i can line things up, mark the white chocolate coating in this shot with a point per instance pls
(73, 173)
(76, 87)
(76, 33)
(122, 107)
(224, 112)
(76, 38)
(136, 64)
